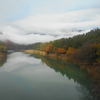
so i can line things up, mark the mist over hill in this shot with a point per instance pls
(33, 37)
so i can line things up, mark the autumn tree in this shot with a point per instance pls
(70, 50)
(61, 50)
(48, 49)
(3, 48)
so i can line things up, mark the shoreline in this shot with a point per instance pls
(2, 55)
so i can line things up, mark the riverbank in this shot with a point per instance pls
(2, 55)
(36, 51)
(92, 69)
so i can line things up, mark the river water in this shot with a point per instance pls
(33, 77)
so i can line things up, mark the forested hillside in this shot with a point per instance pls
(85, 46)
(75, 42)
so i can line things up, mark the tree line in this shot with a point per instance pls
(86, 46)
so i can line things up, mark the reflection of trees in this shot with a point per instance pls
(68, 69)
(85, 94)
(71, 71)
(37, 56)
(3, 61)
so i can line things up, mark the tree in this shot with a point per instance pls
(98, 52)
(61, 50)
(3, 48)
(55, 50)
(88, 53)
(48, 49)
(70, 50)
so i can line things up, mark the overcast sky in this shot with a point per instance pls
(47, 17)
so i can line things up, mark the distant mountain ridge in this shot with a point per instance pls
(65, 31)
(41, 34)
(72, 30)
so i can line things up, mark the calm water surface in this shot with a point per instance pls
(31, 77)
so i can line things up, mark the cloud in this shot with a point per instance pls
(21, 8)
(50, 25)
(14, 35)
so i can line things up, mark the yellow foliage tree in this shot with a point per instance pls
(70, 50)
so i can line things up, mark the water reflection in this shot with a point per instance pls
(17, 60)
(72, 71)
(34, 77)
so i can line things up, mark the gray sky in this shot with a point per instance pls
(48, 17)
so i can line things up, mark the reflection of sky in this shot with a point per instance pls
(33, 69)
(17, 60)
(30, 67)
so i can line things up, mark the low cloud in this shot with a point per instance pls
(18, 36)
(50, 25)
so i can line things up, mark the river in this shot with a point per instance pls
(34, 77)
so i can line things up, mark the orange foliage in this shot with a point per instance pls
(48, 48)
(2, 55)
(61, 50)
